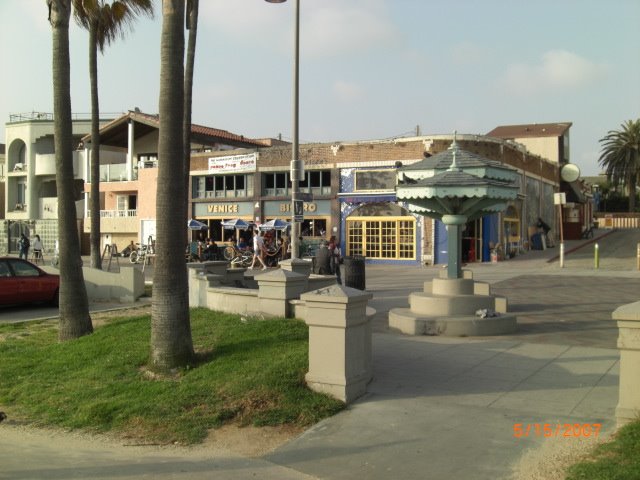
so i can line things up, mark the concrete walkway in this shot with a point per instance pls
(438, 408)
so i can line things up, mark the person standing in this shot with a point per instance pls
(258, 250)
(37, 249)
(23, 246)
(336, 256)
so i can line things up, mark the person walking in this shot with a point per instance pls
(258, 250)
(336, 257)
(23, 247)
(37, 249)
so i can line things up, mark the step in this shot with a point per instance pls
(410, 323)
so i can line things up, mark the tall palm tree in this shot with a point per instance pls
(104, 21)
(171, 341)
(192, 26)
(621, 157)
(74, 304)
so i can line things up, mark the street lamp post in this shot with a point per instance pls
(296, 167)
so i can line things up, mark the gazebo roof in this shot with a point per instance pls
(456, 182)
(469, 162)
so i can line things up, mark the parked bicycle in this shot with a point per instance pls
(242, 258)
(139, 255)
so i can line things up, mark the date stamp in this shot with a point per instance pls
(524, 430)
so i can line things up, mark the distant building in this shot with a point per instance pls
(129, 172)
(549, 140)
(2, 179)
(30, 196)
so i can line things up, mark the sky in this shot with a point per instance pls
(369, 69)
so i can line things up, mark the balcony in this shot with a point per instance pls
(116, 221)
(46, 164)
(118, 213)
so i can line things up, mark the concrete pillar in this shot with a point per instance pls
(297, 265)
(130, 149)
(628, 320)
(454, 225)
(339, 341)
(276, 288)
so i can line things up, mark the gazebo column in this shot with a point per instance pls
(454, 225)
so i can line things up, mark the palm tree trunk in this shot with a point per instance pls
(192, 25)
(74, 306)
(631, 189)
(171, 341)
(94, 205)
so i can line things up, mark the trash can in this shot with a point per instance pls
(354, 272)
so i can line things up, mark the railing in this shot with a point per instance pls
(21, 117)
(618, 220)
(116, 213)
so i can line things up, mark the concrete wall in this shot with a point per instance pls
(628, 321)
(124, 286)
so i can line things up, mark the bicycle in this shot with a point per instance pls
(242, 258)
(139, 254)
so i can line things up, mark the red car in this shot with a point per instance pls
(23, 282)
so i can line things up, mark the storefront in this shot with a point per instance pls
(213, 214)
(317, 216)
(381, 231)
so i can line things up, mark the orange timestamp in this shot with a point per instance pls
(524, 430)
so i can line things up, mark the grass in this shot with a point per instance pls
(249, 372)
(618, 459)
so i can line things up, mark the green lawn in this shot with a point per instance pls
(248, 371)
(618, 459)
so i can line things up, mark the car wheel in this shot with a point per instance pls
(229, 253)
(55, 301)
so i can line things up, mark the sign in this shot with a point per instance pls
(222, 208)
(559, 198)
(298, 210)
(233, 163)
(306, 197)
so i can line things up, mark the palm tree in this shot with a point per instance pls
(620, 157)
(74, 304)
(105, 22)
(171, 341)
(192, 26)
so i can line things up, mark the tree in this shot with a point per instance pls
(104, 21)
(171, 341)
(74, 304)
(620, 157)
(192, 26)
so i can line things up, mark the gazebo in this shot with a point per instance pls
(455, 186)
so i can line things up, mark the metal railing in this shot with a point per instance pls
(116, 213)
(618, 220)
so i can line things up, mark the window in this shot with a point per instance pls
(382, 238)
(222, 186)
(276, 184)
(317, 182)
(375, 180)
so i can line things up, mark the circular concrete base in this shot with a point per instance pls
(410, 323)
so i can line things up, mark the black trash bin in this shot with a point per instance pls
(354, 272)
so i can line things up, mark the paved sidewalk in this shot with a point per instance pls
(437, 408)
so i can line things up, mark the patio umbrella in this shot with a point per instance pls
(236, 223)
(275, 224)
(196, 225)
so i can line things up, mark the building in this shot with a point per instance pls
(349, 189)
(30, 195)
(128, 173)
(551, 141)
(2, 180)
